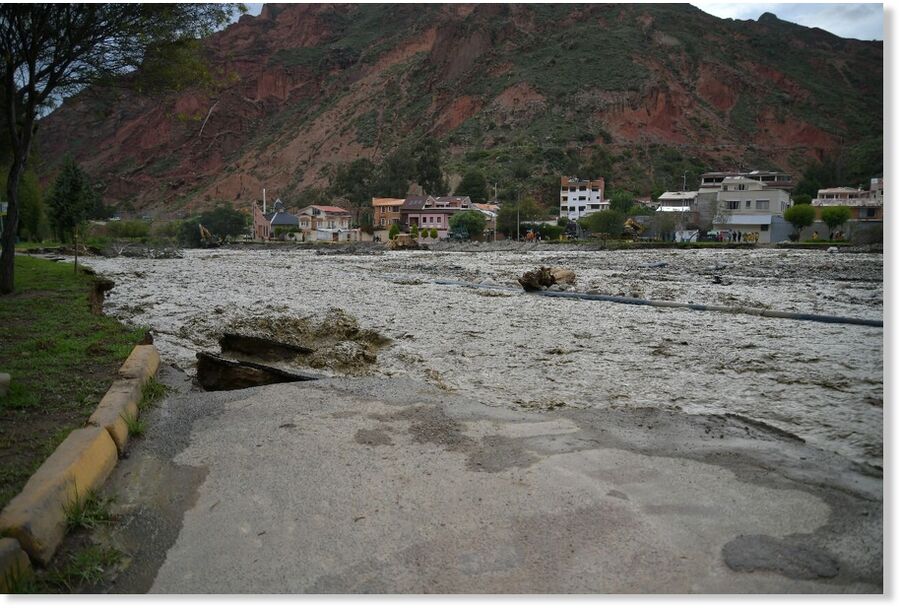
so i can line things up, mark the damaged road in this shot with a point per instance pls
(393, 486)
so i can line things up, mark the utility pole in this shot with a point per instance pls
(264, 201)
(518, 210)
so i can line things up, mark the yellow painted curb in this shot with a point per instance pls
(14, 564)
(36, 517)
(141, 364)
(120, 401)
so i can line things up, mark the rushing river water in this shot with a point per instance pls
(823, 382)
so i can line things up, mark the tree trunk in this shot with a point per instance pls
(10, 228)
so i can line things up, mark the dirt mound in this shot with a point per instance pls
(332, 341)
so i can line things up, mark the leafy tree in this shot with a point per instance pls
(32, 206)
(608, 222)
(434, 233)
(472, 222)
(394, 174)
(800, 216)
(48, 51)
(621, 201)
(429, 173)
(223, 221)
(414, 231)
(393, 231)
(802, 200)
(512, 213)
(354, 181)
(473, 185)
(71, 200)
(835, 216)
(32, 218)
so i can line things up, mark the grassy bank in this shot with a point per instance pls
(62, 360)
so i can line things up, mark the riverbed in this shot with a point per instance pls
(508, 349)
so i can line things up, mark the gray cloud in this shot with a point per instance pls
(862, 21)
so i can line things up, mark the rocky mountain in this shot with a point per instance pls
(642, 93)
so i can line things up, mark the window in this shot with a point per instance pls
(571, 189)
(763, 204)
(563, 208)
(595, 206)
(565, 198)
(581, 208)
(733, 204)
(582, 198)
(870, 213)
(747, 204)
(764, 228)
(742, 187)
(595, 189)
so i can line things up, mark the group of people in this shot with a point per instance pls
(736, 236)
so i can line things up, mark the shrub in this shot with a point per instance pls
(800, 216)
(393, 231)
(472, 222)
(835, 216)
(434, 233)
(414, 231)
(607, 222)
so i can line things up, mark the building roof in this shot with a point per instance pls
(461, 199)
(331, 209)
(381, 202)
(677, 195)
(282, 218)
(487, 207)
(840, 189)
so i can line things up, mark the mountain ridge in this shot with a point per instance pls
(640, 92)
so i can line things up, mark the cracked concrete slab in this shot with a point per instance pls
(386, 486)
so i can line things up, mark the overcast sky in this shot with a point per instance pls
(862, 21)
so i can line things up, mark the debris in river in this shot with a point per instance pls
(543, 277)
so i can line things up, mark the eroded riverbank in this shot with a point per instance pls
(508, 349)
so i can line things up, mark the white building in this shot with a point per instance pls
(747, 205)
(677, 201)
(578, 198)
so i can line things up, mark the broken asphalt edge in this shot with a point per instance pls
(33, 523)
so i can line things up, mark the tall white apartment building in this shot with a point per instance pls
(578, 198)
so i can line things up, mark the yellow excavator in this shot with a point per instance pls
(633, 228)
(207, 239)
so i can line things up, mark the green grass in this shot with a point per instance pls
(135, 425)
(152, 392)
(85, 567)
(62, 360)
(88, 514)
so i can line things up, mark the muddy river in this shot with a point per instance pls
(823, 382)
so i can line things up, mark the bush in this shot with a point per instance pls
(414, 231)
(800, 216)
(133, 229)
(608, 222)
(434, 233)
(472, 222)
(835, 216)
(393, 231)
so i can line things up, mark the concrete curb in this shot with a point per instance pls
(14, 564)
(36, 517)
(141, 364)
(119, 403)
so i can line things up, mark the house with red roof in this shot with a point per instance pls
(326, 223)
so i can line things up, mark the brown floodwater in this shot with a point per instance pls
(823, 382)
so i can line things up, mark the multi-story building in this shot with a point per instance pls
(577, 198)
(866, 206)
(387, 212)
(747, 205)
(427, 212)
(773, 179)
(326, 223)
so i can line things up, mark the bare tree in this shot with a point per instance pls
(52, 50)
